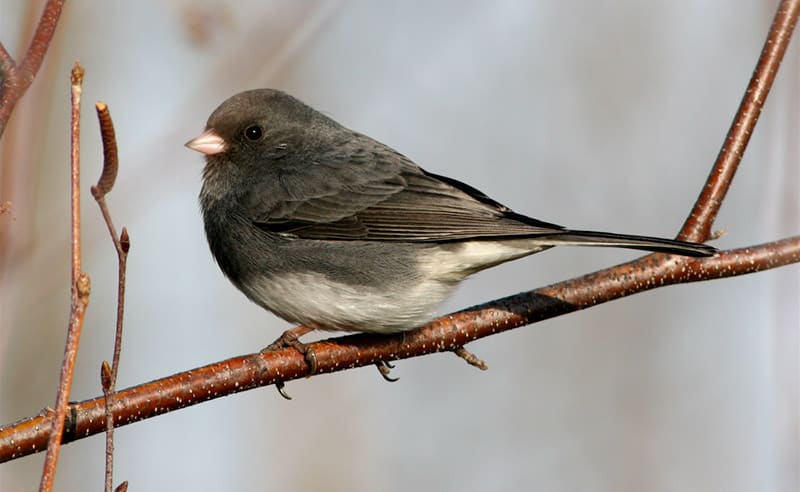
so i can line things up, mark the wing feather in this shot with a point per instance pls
(383, 196)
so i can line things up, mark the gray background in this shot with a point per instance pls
(603, 115)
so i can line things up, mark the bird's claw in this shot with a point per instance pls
(385, 368)
(281, 387)
(291, 338)
(471, 358)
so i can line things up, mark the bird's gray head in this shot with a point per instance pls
(254, 131)
(253, 122)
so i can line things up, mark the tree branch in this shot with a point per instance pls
(447, 333)
(451, 332)
(108, 374)
(698, 225)
(80, 295)
(15, 79)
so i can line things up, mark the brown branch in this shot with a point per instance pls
(108, 375)
(447, 333)
(450, 333)
(75, 168)
(698, 225)
(80, 296)
(17, 78)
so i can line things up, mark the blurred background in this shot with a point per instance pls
(598, 115)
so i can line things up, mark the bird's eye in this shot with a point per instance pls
(253, 133)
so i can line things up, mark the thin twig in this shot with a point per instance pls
(701, 219)
(80, 295)
(17, 78)
(45, 30)
(444, 334)
(108, 375)
(108, 394)
(75, 168)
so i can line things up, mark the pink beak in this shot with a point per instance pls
(208, 143)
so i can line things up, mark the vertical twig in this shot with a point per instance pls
(80, 295)
(698, 225)
(108, 375)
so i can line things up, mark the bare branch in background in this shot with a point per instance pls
(80, 295)
(16, 78)
(445, 334)
(108, 374)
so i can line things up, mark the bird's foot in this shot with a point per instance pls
(471, 358)
(291, 338)
(385, 368)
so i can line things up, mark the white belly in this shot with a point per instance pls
(399, 304)
(312, 300)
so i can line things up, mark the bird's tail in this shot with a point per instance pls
(591, 238)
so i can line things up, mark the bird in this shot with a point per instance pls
(330, 229)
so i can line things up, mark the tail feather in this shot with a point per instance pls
(591, 238)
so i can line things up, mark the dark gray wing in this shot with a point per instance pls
(380, 195)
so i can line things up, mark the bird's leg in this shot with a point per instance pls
(385, 368)
(291, 338)
(471, 358)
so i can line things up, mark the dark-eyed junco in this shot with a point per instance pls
(331, 229)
